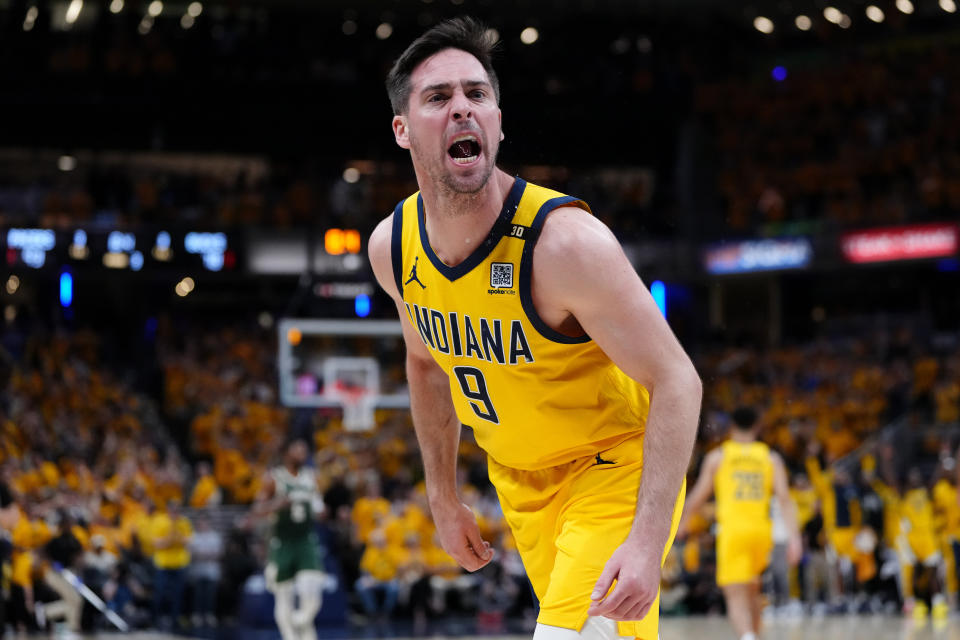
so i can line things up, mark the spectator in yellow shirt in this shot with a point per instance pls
(206, 492)
(170, 533)
(379, 571)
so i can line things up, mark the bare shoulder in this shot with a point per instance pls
(572, 244)
(378, 250)
(714, 456)
(571, 230)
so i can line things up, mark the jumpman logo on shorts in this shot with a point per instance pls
(413, 275)
(602, 461)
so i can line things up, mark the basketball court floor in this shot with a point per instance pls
(692, 628)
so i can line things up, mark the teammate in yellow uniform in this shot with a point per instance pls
(918, 543)
(524, 320)
(744, 474)
(947, 513)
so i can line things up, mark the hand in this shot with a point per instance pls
(637, 572)
(794, 550)
(460, 536)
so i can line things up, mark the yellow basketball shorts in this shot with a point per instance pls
(568, 520)
(742, 554)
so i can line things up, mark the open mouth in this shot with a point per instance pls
(465, 149)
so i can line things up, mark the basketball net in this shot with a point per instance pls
(358, 407)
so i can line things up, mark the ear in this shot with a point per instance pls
(500, 117)
(400, 132)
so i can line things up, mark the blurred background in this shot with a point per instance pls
(186, 188)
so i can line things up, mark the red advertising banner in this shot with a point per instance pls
(936, 240)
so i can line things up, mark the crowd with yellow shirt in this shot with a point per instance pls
(872, 522)
(75, 438)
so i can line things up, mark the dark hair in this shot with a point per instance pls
(744, 418)
(466, 34)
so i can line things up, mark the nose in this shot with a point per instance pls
(460, 107)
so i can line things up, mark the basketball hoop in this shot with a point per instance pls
(358, 406)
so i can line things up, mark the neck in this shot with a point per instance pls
(743, 436)
(458, 222)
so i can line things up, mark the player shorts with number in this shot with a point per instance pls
(568, 520)
(742, 553)
(290, 556)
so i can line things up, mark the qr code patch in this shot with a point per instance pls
(501, 275)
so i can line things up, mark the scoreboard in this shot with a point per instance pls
(120, 249)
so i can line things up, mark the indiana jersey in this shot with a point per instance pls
(534, 397)
(743, 485)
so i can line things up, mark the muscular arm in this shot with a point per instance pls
(434, 420)
(582, 277)
(580, 270)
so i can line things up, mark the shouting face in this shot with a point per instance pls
(452, 123)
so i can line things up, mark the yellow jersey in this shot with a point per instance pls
(916, 509)
(534, 397)
(743, 485)
(947, 509)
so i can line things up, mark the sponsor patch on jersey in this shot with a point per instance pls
(501, 277)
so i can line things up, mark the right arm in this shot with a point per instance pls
(788, 509)
(436, 423)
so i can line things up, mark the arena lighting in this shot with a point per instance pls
(78, 248)
(116, 6)
(349, 27)
(195, 9)
(185, 286)
(875, 14)
(361, 305)
(136, 261)
(155, 8)
(529, 35)
(384, 30)
(33, 244)
(145, 25)
(659, 292)
(30, 19)
(804, 23)
(905, 6)
(13, 283)
(832, 14)
(66, 289)
(351, 175)
(763, 24)
(66, 163)
(779, 73)
(948, 5)
(9, 313)
(186, 21)
(493, 34)
(845, 22)
(73, 12)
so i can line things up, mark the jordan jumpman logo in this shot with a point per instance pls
(413, 274)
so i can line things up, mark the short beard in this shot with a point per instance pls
(452, 186)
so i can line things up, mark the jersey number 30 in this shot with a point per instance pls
(474, 387)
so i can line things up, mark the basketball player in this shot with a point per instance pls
(744, 473)
(526, 322)
(919, 552)
(289, 492)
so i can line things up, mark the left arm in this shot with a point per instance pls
(581, 273)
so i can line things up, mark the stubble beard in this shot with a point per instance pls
(453, 186)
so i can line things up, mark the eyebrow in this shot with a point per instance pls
(442, 86)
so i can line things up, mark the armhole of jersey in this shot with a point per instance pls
(526, 274)
(396, 247)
